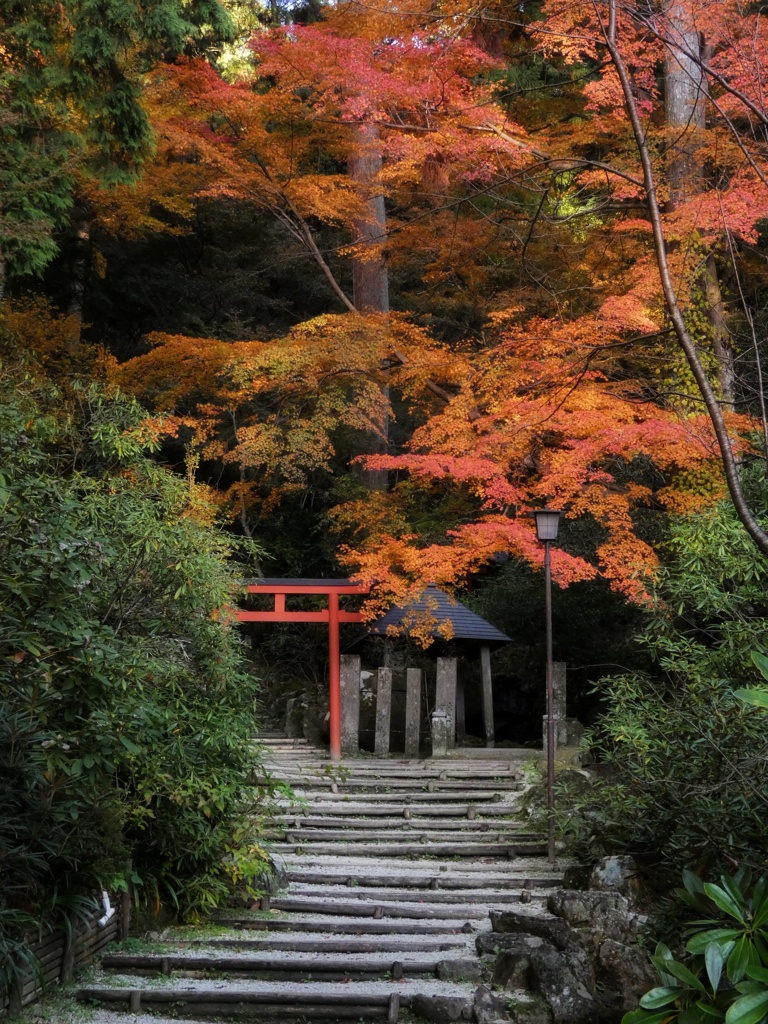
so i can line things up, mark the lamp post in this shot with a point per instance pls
(547, 523)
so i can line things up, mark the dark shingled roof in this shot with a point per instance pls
(440, 606)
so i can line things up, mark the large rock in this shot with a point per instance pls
(459, 970)
(487, 1007)
(564, 979)
(531, 920)
(513, 964)
(489, 943)
(576, 876)
(294, 718)
(315, 724)
(616, 874)
(596, 916)
(624, 974)
(442, 1009)
(577, 961)
(528, 1009)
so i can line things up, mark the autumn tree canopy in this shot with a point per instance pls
(533, 239)
(70, 82)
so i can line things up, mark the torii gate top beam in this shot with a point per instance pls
(332, 614)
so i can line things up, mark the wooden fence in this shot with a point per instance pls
(58, 954)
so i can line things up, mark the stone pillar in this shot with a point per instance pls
(558, 678)
(485, 669)
(350, 704)
(383, 710)
(445, 695)
(442, 730)
(461, 716)
(412, 711)
(558, 705)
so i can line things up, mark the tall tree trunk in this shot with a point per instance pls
(684, 107)
(370, 277)
(81, 235)
(684, 96)
(721, 334)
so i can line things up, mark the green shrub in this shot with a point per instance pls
(681, 772)
(127, 714)
(724, 972)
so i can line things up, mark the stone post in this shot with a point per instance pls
(383, 710)
(442, 729)
(558, 707)
(412, 711)
(461, 715)
(350, 704)
(485, 669)
(558, 679)
(445, 695)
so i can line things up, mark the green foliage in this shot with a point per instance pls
(126, 715)
(756, 697)
(70, 92)
(683, 770)
(725, 973)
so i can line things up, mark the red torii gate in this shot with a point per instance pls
(333, 615)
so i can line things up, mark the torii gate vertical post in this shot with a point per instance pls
(334, 676)
(333, 615)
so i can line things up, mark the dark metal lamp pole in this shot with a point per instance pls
(547, 522)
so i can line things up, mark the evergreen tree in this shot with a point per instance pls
(71, 103)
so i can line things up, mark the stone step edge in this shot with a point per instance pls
(376, 910)
(175, 964)
(291, 834)
(428, 881)
(234, 995)
(498, 850)
(334, 944)
(429, 897)
(354, 927)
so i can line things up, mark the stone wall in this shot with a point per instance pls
(579, 960)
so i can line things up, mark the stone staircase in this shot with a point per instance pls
(390, 870)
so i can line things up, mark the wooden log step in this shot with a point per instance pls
(224, 1001)
(414, 849)
(357, 863)
(481, 897)
(406, 833)
(307, 758)
(419, 795)
(454, 824)
(404, 780)
(432, 770)
(281, 968)
(444, 880)
(356, 908)
(374, 785)
(321, 944)
(352, 927)
(396, 809)
(274, 739)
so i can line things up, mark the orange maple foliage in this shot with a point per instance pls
(539, 417)
(552, 425)
(544, 412)
(276, 408)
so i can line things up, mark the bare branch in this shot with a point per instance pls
(744, 512)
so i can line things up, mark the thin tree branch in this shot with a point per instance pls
(743, 510)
